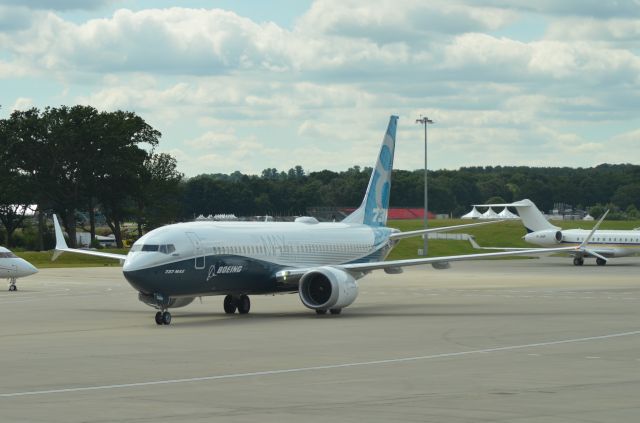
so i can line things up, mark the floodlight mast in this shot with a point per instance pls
(425, 121)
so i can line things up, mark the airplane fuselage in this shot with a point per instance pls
(609, 243)
(217, 258)
(13, 267)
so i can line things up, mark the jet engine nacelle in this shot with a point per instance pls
(545, 238)
(327, 288)
(171, 302)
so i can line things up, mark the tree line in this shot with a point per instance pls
(69, 159)
(77, 159)
(450, 192)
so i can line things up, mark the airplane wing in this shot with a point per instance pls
(394, 266)
(477, 246)
(61, 246)
(365, 267)
(437, 262)
(408, 234)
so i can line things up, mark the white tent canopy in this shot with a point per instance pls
(473, 214)
(506, 214)
(489, 214)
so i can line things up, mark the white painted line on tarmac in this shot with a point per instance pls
(315, 368)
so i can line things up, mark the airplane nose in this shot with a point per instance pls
(31, 269)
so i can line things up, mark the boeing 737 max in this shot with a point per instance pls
(172, 265)
(13, 267)
(604, 244)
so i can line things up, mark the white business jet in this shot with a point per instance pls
(13, 267)
(604, 244)
(172, 265)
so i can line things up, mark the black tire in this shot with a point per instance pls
(159, 318)
(321, 312)
(244, 304)
(335, 310)
(578, 261)
(600, 262)
(13, 288)
(229, 304)
(166, 318)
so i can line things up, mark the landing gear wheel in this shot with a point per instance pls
(244, 304)
(166, 318)
(578, 261)
(159, 318)
(321, 312)
(13, 288)
(600, 262)
(335, 310)
(229, 304)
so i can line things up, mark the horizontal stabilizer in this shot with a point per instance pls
(419, 232)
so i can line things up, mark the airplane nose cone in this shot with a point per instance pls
(24, 268)
(31, 270)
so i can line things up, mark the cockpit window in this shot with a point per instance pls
(8, 254)
(167, 248)
(162, 248)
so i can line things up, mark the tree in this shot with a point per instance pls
(158, 191)
(17, 191)
(119, 163)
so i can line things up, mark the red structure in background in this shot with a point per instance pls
(400, 214)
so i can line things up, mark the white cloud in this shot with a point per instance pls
(23, 103)
(59, 4)
(619, 31)
(229, 93)
(592, 8)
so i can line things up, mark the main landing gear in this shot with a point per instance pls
(579, 261)
(12, 285)
(331, 310)
(163, 318)
(241, 303)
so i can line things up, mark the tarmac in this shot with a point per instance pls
(492, 341)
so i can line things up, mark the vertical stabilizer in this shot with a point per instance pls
(375, 205)
(532, 218)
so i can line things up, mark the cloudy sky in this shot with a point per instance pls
(246, 85)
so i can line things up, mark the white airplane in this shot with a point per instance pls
(172, 265)
(13, 267)
(604, 244)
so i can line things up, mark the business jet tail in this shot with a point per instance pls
(375, 205)
(532, 218)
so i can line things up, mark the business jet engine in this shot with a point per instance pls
(545, 238)
(327, 288)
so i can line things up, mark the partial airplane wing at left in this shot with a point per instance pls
(61, 246)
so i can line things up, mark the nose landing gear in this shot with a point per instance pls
(163, 318)
(12, 285)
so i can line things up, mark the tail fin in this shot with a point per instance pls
(532, 218)
(375, 205)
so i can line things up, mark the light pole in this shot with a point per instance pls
(425, 121)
